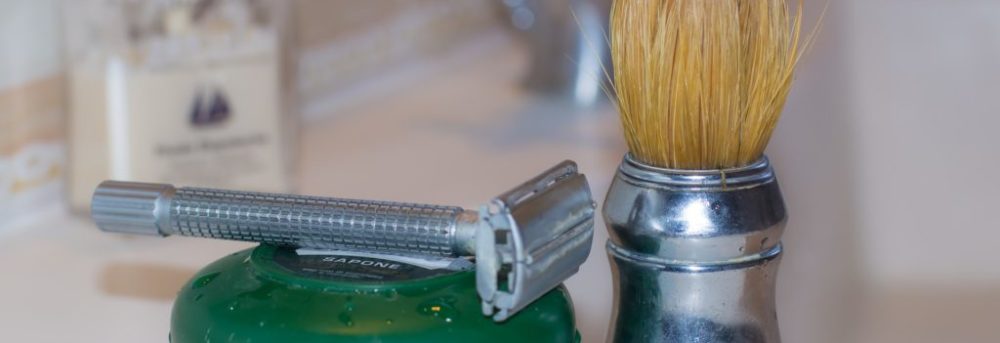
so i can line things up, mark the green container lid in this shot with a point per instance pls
(270, 294)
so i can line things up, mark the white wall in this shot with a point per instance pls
(886, 155)
(28, 30)
(926, 80)
(818, 284)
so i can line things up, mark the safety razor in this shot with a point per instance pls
(525, 241)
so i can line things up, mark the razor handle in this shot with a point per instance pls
(537, 234)
(283, 220)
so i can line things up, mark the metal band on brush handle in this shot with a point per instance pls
(279, 219)
(527, 242)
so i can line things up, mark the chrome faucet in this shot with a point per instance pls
(569, 52)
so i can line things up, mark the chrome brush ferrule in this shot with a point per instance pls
(694, 253)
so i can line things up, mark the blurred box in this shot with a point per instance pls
(185, 92)
(31, 109)
(141, 72)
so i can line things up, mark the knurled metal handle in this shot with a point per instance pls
(288, 220)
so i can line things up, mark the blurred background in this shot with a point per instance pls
(885, 150)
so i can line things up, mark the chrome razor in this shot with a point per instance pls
(525, 242)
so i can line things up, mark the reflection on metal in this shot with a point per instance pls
(694, 254)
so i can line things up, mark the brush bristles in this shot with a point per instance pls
(701, 83)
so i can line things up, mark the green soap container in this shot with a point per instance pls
(271, 294)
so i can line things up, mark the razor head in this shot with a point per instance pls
(532, 238)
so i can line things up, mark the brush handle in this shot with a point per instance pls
(694, 254)
(287, 220)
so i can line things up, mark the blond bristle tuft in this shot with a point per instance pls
(700, 84)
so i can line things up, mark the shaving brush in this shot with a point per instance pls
(695, 214)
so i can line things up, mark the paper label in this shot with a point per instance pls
(353, 267)
(32, 158)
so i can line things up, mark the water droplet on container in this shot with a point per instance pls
(345, 319)
(439, 308)
(204, 280)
